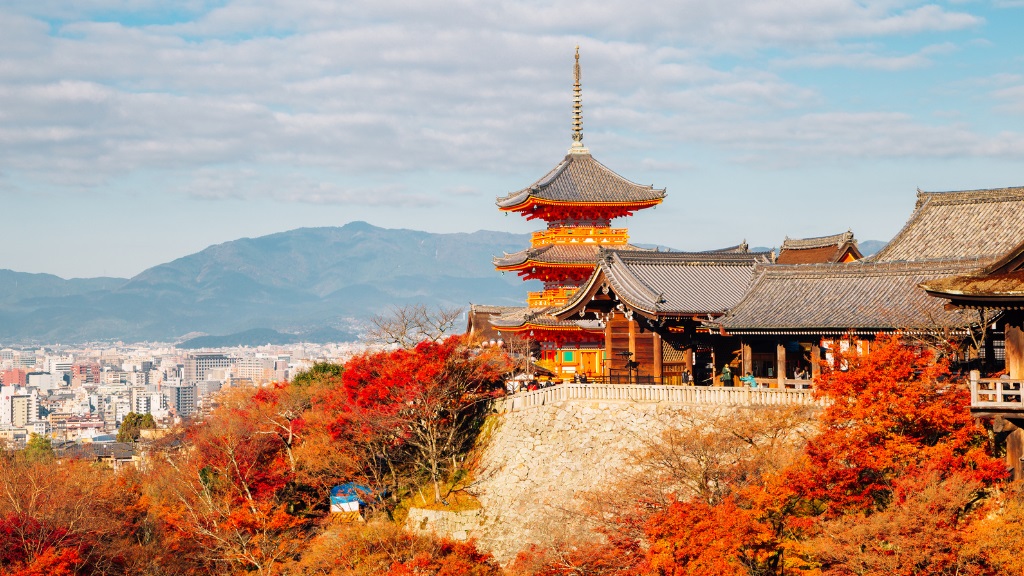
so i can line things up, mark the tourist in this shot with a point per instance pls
(749, 380)
(685, 378)
(727, 376)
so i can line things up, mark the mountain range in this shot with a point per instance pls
(312, 284)
(316, 282)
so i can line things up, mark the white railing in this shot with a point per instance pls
(788, 382)
(712, 395)
(996, 393)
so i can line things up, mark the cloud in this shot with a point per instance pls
(844, 57)
(463, 191)
(366, 88)
(242, 184)
(1010, 98)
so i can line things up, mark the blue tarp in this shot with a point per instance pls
(350, 492)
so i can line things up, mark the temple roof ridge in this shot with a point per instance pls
(658, 284)
(834, 298)
(559, 254)
(818, 241)
(981, 223)
(579, 178)
(709, 257)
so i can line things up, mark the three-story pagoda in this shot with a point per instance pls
(578, 200)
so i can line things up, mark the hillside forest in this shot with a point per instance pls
(894, 476)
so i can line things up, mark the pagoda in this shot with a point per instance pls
(578, 200)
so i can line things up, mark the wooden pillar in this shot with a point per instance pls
(1014, 349)
(747, 358)
(607, 347)
(632, 338)
(1012, 440)
(688, 360)
(780, 364)
(815, 361)
(657, 357)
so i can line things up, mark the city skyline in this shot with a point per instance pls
(133, 134)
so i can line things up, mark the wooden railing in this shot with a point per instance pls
(996, 393)
(690, 395)
(584, 234)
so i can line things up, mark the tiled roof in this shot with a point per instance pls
(117, 450)
(742, 248)
(556, 254)
(580, 178)
(833, 298)
(491, 309)
(981, 224)
(820, 250)
(1010, 285)
(672, 283)
(1000, 285)
(478, 321)
(539, 317)
(833, 241)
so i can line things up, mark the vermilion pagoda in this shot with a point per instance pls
(578, 199)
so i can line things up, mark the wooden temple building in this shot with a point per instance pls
(794, 314)
(577, 199)
(617, 312)
(996, 295)
(654, 307)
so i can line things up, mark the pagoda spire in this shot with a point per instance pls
(577, 110)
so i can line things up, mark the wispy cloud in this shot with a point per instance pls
(242, 184)
(853, 57)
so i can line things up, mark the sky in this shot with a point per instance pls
(133, 132)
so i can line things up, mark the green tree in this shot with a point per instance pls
(132, 424)
(38, 448)
(318, 373)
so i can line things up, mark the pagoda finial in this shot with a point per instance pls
(577, 110)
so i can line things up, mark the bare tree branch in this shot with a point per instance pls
(407, 326)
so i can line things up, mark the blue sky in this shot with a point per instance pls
(133, 132)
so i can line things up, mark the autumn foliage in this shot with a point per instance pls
(893, 477)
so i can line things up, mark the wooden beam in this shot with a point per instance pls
(605, 362)
(815, 361)
(747, 357)
(657, 357)
(780, 364)
(632, 338)
(1014, 350)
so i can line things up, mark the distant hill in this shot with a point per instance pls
(870, 247)
(264, 336)
(21, 286)
(310, 284)
(294, 282)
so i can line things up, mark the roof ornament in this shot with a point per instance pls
(577, 110)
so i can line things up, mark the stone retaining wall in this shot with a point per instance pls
(539, 461)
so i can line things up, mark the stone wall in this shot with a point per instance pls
(539, 462)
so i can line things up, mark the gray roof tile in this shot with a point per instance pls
(863, 296)
(673, 283)
(580, 178)
(981, 224)
(557, 254)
